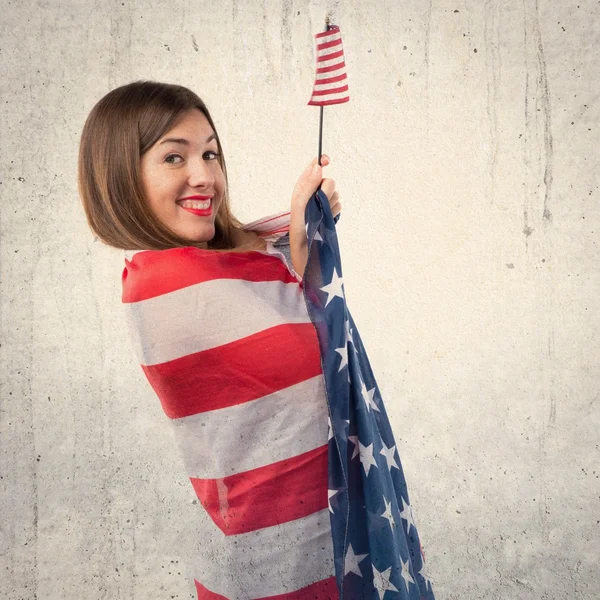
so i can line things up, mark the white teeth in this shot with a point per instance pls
(199, 204)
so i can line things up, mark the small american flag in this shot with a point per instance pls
(375, 541)
(331, 85)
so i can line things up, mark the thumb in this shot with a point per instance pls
(310, 179)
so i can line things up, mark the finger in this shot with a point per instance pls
(309, 180)
(324, 159)
(328, 186)
(335, 198)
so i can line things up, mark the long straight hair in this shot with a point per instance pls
(120, 128)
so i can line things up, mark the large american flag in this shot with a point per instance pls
(377, 551)
(226, 342)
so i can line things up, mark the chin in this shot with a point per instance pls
(198, 237)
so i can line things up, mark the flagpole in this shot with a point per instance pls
(327, 21)
(320, 133)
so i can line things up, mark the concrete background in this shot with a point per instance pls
(467, 163)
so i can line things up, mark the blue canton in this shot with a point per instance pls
(376, 546)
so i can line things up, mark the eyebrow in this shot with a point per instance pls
(185, 142)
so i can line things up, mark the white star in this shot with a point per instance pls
(341, 425)
(330, 495)
(366, 456)
(387, 514)
(389, 456)
(334, 288)
(381, 581)
(407, 515)
(352, 561)
(424, 573)
(367, 396)
(343, 352)
(318, 237)
(406, 574)
(348, 333)
(354, 440)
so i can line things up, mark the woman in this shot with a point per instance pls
(228, 324)
(213, 308)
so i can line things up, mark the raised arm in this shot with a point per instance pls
(305, 187)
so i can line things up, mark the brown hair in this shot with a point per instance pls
(121, 127)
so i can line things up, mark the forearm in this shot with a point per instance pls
(298, 241)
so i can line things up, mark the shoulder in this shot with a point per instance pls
(150, 273)
(271, 228)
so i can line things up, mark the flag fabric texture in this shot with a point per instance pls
(377, 549)
(280, 424)
(226, 342)
(331, 86)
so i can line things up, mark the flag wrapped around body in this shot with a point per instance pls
(376, 544)
(226, 342)
(331, 86)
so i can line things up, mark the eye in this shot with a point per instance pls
(214, 154)
(170, 156)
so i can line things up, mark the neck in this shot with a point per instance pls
(249, 240)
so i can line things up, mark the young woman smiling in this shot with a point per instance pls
(220, 327)
(144, 148)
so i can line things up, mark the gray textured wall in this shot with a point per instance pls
(467, 162)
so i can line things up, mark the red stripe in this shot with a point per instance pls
(206, 594)
(278, 216)
(151, 273)
(273, 231)
(331, 79)
(331, 31)
(267, 496)
(328, 102)
(335, 67)
(329, 44)
(339, 90)
(238, 372)
(330, 56)
(326, 589)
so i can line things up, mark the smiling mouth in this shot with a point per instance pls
(196, 204)
(200, 212)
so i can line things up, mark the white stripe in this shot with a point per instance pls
(329, 38)
(328, 63)
(210, 314)
(335, 73)
(330, 86)
(273, 221)
(327, 97)
(330, 50)
(266, 562)
(246, 436)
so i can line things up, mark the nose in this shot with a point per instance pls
(200, 174)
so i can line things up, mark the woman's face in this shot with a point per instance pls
(174, 170)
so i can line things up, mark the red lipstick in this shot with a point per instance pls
(206, 212)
